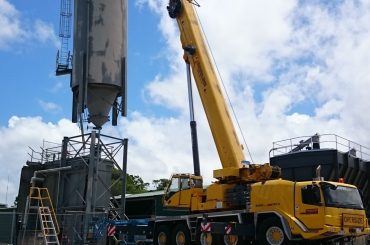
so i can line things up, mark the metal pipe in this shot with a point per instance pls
(124, 177)
(33, 182)
(97, 156)
(90, 179)
(62, 163)
(45, 171)
(90, 203)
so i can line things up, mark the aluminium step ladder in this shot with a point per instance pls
(47, 226)
(39, 201)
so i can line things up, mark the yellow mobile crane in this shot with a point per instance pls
(248, 202)
(235, 169)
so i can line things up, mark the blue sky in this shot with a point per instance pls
(32, 89)
(28, 67)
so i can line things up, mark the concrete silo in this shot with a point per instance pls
(99, 60)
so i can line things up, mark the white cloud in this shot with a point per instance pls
(11, 29)
(20, 133)
(158, 147)
(302, 52)
(15, 30)
(44, 32)
(57, 86)
(169, 91)
(50, 106)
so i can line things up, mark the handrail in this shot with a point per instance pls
(326, 141)
(51, 151)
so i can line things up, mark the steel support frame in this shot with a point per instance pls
(93, 149)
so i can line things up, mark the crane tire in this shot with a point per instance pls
(162, 235)
(181, 235)
(271, 232)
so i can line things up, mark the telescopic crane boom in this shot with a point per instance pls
(229, 149)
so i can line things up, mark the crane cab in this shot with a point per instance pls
(183, 191)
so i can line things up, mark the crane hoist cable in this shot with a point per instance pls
(223, 85)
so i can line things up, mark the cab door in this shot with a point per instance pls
(185, 192)
(172, 196)
(309, 205)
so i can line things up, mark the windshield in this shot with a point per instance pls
(341, 196)
(174, 185)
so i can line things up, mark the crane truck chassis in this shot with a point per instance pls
(274, 212)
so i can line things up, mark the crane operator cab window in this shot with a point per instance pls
(183, 182)
(311, 195)
(174, 185)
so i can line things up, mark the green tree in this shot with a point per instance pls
(161, 184)
(134, 184)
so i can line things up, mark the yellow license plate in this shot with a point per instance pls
(353, 220)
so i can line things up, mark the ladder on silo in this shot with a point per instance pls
(64, 55)
(47, 226)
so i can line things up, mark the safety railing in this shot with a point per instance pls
(77, 146)
(318, 142)
(49, 151)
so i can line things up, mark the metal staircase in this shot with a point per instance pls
(64, 55)
(192, 224)
(113, 211)
(47, 226)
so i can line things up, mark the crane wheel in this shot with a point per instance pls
(231, 239)
(271, 232)
(181, 235)
(206, 239)
(162, 235)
